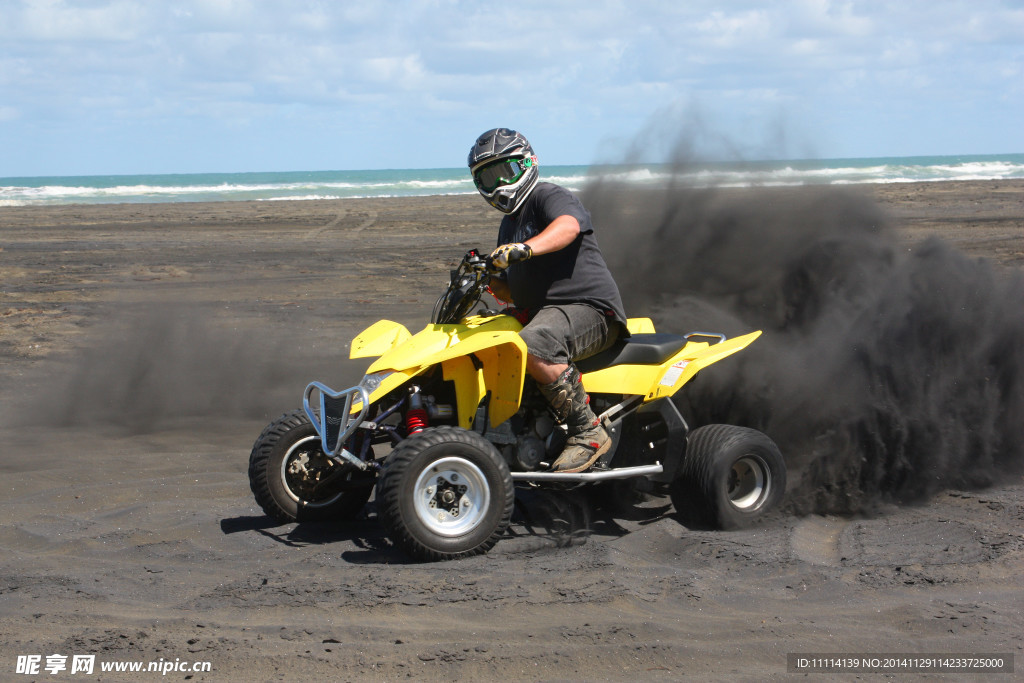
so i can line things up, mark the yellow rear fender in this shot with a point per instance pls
(657, 381)
(691, 359)
(640, 325)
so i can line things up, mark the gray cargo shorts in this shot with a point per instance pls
(570, 332)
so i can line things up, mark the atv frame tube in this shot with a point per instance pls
(591, 475)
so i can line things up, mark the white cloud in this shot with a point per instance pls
(829, 18)
(598, 66)
(729, 30)
(56, 20)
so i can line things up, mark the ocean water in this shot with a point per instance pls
(295, 186)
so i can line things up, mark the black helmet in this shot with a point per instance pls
(504, 168)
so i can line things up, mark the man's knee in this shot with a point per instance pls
(543, 371)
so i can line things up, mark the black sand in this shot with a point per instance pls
(143, 348)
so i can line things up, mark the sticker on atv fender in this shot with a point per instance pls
(672, 376)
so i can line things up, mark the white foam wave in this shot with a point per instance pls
(69, 191)
(440, 182)
(436, 183)
(841, 175)
(298, 198)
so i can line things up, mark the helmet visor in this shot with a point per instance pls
(490, 177)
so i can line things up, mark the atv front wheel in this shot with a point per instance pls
(294, 481)
(445, 493)
(730, 478)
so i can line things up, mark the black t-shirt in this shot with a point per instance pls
(575, 274)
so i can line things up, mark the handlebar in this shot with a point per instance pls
(465, 288)
(475, 261)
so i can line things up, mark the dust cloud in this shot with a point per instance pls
(147, 368)
(886, 371)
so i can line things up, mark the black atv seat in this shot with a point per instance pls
(639, 349)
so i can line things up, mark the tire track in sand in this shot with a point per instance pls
(816, 540)
(371, 218)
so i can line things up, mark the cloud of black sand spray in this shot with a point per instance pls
(146, 368)
(886, 372)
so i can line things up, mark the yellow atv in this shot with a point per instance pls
(464, 424)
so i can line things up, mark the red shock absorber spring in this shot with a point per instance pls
(416, 416)
(415, 420)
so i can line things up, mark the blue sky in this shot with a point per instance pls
(135, 86)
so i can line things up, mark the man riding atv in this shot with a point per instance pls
(458, 427)
(553, 272)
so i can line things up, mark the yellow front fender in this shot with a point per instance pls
(378, 339)
(499, 366)
(500, 369)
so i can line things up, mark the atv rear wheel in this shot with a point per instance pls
(294, 481)
(445, 493)
(730, 478)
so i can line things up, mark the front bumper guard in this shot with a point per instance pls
(334, 421)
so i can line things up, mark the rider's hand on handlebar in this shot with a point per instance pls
(507, 254)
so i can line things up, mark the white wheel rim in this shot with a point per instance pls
(310, 443)
(749, 481)
(451, 496)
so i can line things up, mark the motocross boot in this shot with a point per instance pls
(588, 439)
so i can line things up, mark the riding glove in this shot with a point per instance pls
(507, 254)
